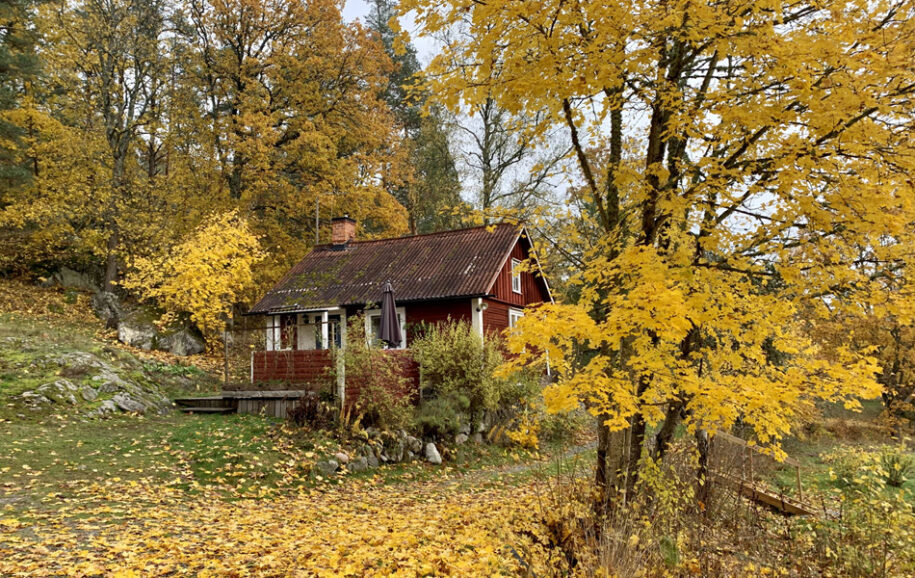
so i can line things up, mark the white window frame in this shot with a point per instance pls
(274, 332)
(513, 316)
(401, 312)
(516, 276)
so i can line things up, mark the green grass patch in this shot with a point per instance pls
(235, 456)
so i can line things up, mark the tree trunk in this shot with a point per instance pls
(111, 259)
(119, 186)
(702, 473)
(666, 433)
(613, 467)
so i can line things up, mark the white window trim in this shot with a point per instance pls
(369, 313)
(513, 316)
(516, 277)
(274, 329)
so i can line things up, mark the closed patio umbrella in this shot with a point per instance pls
(390, 327)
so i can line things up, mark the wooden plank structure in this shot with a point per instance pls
(270, 403)
(745, 484)
(209, 404)
(750, 490)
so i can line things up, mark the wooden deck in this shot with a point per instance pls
(270, 403)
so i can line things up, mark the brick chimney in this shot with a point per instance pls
(343, 230)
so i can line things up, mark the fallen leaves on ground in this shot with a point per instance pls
(359, 529)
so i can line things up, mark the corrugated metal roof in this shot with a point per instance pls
(450, 264)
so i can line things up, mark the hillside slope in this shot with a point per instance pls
(56, 358)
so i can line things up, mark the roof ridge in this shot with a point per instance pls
(519, 226)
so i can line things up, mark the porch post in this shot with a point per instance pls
(324, 331)
(476, 315)
(341, 365)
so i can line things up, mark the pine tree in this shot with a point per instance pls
(18, 65)
(431, 184)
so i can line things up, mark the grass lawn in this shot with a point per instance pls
(830, 450)
(57, 461)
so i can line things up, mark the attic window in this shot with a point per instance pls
(516, 276)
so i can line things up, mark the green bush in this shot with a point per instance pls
(897, 466)
(440, 416)
(457, 365)
(384, 399)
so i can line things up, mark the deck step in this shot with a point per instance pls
(193, 409)
(197, 400)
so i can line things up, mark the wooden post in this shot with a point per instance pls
(341, 364)
(800, 491)
(225, 358)
(750, 457)
(324, 332)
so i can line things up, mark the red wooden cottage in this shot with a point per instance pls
(468, 274)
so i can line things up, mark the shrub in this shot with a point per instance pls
(871, 534)
(204, 275)
(384, 398)
(897, 466)
(457, 364)
(892, 463)
(313, 411)
(441, 416)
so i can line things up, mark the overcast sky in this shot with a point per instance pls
(358, 9)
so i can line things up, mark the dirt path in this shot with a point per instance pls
(567, 461)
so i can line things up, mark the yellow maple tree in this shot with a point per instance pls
(737, 160)
(205, 275)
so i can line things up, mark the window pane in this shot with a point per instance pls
(376, 328)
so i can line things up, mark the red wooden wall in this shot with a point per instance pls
(495, 316)
(533, 289)
(436, 312)
(277, 370)
(311, 369)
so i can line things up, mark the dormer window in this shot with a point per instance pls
(516, 276)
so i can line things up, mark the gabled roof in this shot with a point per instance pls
(451, 264)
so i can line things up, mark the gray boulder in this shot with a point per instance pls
(60, 391)
(396, 453)
(35, 401)
(110, 382)
(140, 334)
(372, 461)
(88, 393)
(78, 363)
(107, 408)
(358, 465)
(124, 402)
(67, 277)
(460, 439)
(432, 455)
(327, 467)
(477, 438)
(413, 444)
(184, 341)
(107, 307)
(342, 457)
